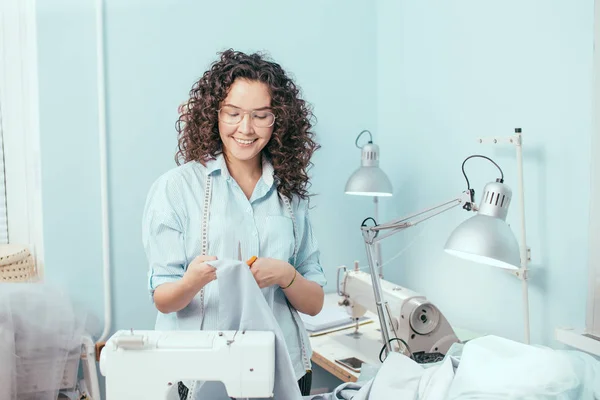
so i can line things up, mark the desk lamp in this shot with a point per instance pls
(485, 237)
(370, 180)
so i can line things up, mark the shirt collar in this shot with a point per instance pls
(267, 172)
(219, 164)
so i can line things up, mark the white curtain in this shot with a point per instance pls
(3, 213)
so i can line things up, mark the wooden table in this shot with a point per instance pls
(341, 344)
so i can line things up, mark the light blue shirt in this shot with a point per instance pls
(172, 229)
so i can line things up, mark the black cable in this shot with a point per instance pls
(366, 219)
(360, 134)
(480, 156)
(403, 342)
(364, 224)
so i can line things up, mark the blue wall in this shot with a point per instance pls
(426, 77)
(155, 52)
(451, 72)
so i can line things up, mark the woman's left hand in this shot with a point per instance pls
(270, 271)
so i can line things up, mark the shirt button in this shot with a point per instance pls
(249, 210)
(254, 233)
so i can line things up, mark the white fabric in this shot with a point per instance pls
(435, 381)
(485, 368)
(387, 384)
(496, 368)
(41, 334)
(246, 308)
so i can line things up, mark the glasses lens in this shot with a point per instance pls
(263, 119)
(230, 115)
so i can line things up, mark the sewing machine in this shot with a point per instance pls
(147, 364)
(414, 319)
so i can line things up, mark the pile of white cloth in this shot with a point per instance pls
(489, 367)
(40, 341)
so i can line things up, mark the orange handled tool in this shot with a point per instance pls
(250, 260)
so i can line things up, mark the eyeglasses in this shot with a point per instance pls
(232, 116)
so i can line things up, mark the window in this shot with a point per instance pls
(593, 306)
(20, 187)
(3, 215)
(589, 340)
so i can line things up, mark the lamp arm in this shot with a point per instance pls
(380, 302)
(372, 233)
(371, 237)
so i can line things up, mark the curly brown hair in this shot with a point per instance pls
(291, 146)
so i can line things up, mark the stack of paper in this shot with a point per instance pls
(329, 317)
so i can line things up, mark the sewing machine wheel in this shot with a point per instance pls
(424, 319)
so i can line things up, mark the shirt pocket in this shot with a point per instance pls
(278, 241)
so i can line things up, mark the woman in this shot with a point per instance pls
(246, 143)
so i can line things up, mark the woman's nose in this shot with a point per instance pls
(246, 125)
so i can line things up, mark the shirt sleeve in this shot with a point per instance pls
(307, 262)
(163, 234)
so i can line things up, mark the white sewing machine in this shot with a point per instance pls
(147, 364)
(412, 317)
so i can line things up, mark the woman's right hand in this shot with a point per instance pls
(199, 273)
(174, 296)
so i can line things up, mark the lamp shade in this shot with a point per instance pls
(486, 237)
(369, 179)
